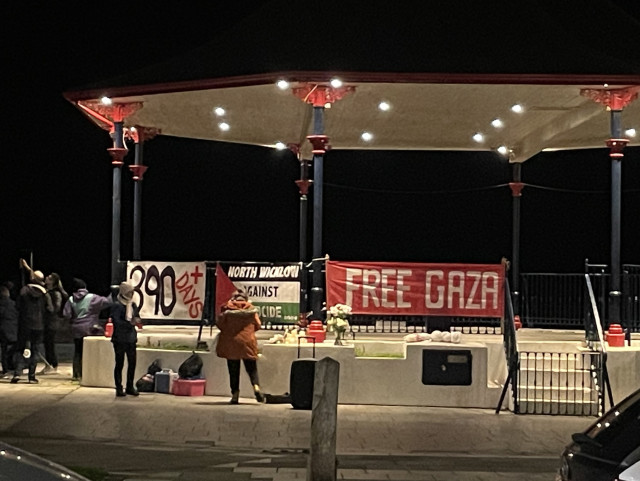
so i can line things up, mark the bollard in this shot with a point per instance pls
(322, 465)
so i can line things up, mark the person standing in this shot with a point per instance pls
(238, 323)
(83, 309)
(52, 321)
(8, 329)
(125, 317)
(33, 302)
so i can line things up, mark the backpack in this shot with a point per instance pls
(191, 367)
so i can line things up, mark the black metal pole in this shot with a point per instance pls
(137, 204)
(317, 291)
(616, 203)
(116, 207)
(303, 212)
(515, 241)
(304, 283)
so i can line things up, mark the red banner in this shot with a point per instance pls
(403, 288)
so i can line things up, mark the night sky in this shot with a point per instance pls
(215, 201)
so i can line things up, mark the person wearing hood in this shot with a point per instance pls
(238, 323)
(51, 318)
(33, 302)
(83, 309)
(125, 317)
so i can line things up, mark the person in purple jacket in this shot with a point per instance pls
(83, 309)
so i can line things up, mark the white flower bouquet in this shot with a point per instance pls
(338, 320)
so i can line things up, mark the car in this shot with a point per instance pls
(19, 465)
(630, 474)
(607, 448)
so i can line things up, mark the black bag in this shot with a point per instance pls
(277, 398)
(146, 383)
(301, 379)
(191, 368)
(154, 367)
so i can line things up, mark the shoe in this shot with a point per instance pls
(120, 392)
(33, 380)
(15, 379)
(132, 391)
(234, 397)
(258, 393)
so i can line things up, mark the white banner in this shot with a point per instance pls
(168, 290)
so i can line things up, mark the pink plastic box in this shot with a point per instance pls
(189, 387)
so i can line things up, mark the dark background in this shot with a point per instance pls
(215, 201)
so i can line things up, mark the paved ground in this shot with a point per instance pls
(165, 437)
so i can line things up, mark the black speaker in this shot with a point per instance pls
(301, 380)
(446, 368)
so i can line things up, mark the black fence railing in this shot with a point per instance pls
(559, 383)
(557, 301)
(510, 344)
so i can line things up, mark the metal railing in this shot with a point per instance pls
(557, 301)
(511, 351)
(558, 383)
(594, 336)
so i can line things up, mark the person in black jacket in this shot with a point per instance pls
(125, 317)
(8, 329)
(33, 302)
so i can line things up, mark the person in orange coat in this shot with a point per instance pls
(238, 323)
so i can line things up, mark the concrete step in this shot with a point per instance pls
(549, 361)
(568, 408)
(566, 378)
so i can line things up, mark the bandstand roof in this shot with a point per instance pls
(446, 74)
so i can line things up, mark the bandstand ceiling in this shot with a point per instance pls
(445, 78)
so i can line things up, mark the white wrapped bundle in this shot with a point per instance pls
(436, 336)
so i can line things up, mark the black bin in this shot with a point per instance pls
(446, 367)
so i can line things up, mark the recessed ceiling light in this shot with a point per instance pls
(503, 150)
(478, 137)
(517, 108)
(366, 136)
(497, 123)
(106, 101)
(280, 145)
(336, 83)
(282, 84)
(630, 132)
(219, 111)
(224, 126)
(384, 106)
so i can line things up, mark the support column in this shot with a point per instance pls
(319, 96)
(117, 113)
(319, 148)
(615, 100)
(516, 193)
(139, 135)
(303, 186)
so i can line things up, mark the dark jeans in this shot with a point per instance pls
(233, 365)
(120, 349)
(8, 355)
(32, 338)
(77, 358)
(50, 347)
